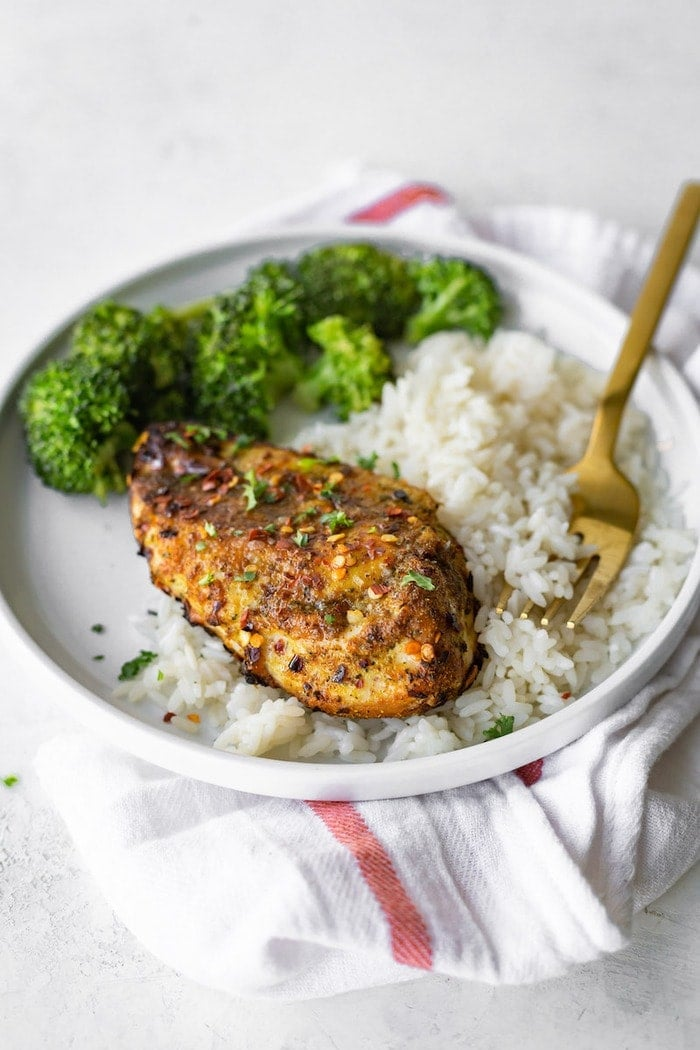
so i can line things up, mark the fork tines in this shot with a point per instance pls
(585, 577)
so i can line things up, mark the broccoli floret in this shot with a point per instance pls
(454, 294)
(110, 333)
(361, 282)
(351, 371)
(150, 351)
(249, 351)
(77, 429)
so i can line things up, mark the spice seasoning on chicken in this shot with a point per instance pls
(318, 566)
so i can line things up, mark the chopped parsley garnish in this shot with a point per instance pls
(201, 433)
(10, 781)
(176, 436)
(185, 479)
(98, 628)
(100, 656)
(420, 581)
(254, 489)
(328, 490)
(336, 519)
(308, 463)
(200, 545)
(241, 441)
(246, 577)
(160, 676)
(395, 469)
(210, 529)
(132, 667)
(368, 462)
(205, 580)
(502, 727)
(270, 527)
(310, 512)
(329, 618)
(301, 538)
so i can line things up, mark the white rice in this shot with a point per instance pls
(489, 431)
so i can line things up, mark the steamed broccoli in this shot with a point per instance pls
(351, 371)
(454, 294)
(77, 429)
(81, 414)
(249, 350)
(150, 352)
(228, 360)
(361, 282)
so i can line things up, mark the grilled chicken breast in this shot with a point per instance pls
(333, 583)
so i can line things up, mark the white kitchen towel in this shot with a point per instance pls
(512, 880)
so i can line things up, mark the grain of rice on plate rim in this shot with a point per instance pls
(488, 430)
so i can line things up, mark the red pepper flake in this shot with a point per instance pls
(566, 695)
(257, 534)
(285, 544)
(395, 512)
(301, 483)
(279, 645)
(210, 482)
(168, 716)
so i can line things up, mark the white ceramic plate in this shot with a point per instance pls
(68, 563)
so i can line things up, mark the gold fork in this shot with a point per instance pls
(605, 505)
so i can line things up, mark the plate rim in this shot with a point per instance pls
(314, 780)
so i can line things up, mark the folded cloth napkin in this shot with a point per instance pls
(512, 880)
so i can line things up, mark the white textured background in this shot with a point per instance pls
(130, 132)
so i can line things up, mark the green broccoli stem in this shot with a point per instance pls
(109, 469)
(432, 317)
(191, 312)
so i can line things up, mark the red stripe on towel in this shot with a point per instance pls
(530, 773)
(400, 200)
(410, 940)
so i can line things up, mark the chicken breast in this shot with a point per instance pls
(330, 582)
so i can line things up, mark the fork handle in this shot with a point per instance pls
(645, 317)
